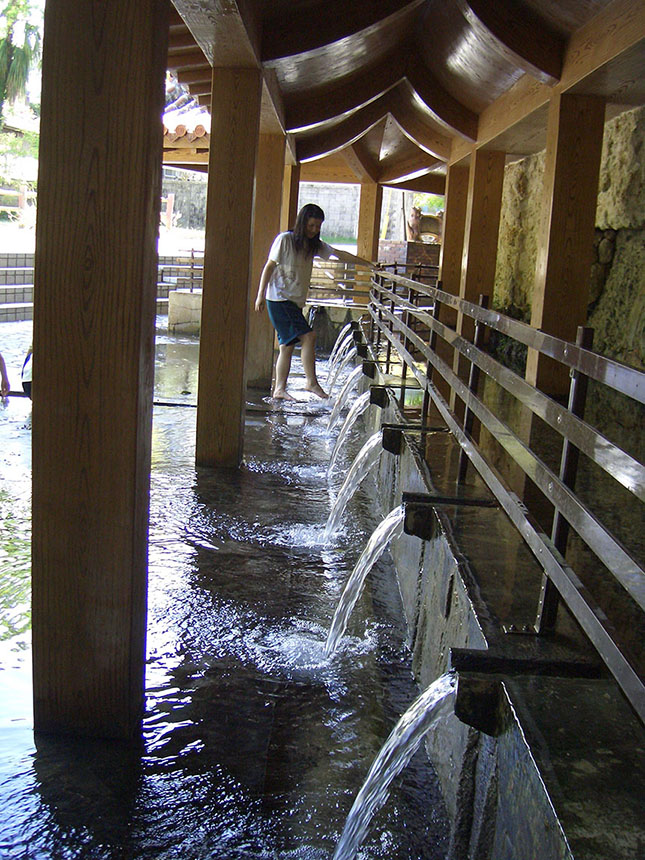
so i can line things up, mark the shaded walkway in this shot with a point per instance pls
(254, 744)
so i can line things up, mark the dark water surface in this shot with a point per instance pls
(254, 744)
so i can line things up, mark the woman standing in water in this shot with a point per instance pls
(283, 288)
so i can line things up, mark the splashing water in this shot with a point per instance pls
(422, 716)
(359, 406)
(364, 461)
(376, 545)
(352, 381)
(338, 369)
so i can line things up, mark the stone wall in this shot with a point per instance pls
(617, 277)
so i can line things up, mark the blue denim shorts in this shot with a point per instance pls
(288, 321)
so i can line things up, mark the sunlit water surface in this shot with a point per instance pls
(254, 744)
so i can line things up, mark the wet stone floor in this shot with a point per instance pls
(254, 744)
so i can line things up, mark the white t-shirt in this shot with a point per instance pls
(291, 277)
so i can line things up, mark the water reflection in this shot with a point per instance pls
(253, 743)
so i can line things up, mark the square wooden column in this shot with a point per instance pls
(99, 188)
(452, 246)
(561, 295)
(266, 225)
(479, 257)
(291, 191)
(227, 266)
(369, 220)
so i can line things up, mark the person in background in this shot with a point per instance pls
(26, 373)
(5, 387)
(283, 287)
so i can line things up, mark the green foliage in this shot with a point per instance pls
(19, 47)
(430, 203)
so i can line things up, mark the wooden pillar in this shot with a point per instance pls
(266, 225)
(99, 191)
(291, 190)
(227, 266)
(574, 146)
(369, 220)
(479, 257)
(452, 246)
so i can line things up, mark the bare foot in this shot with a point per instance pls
(318, 391)
(281, 394)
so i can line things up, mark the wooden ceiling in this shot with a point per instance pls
(394, 90)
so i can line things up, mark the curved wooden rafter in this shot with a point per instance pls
(343, 133)
(326, 23)
(414, 125)
(403, 168)
(350, 94)
(361, 163)
(445, 109)
(521, 34)
(398, 102)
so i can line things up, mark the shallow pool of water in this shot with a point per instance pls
(253, 744)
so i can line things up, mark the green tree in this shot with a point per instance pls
(19, 50)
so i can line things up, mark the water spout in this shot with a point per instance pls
(422, 716)
(339, 354)
(391, 526)
(365, 459)
(359, 406)
(351, 381)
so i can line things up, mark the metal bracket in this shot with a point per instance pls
(378, 395)
(361, 349)
(369, 369)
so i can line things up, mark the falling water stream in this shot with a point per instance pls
(340, 366)
(254, 742)
(358, 407)
(350, 383)
(376, 545)
(434, 704)
(343, 335)
(365, 460)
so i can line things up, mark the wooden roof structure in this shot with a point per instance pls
(391, 91)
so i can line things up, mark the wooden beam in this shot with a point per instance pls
(266, 226)
(290, 192)
(322, 104)
(322, 143)
(402, 168)
(94, 302)
(185, 156)
(227, 31)
(431, 183)
(575, 133)
(200, 75)
(333, 168)
(592, 52)
(444, 108)
(227, 262)
(360, 162)
(520, 33)
(190, 59)
(318, 25)
(415, 125)
(369, 220)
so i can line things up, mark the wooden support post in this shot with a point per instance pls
(266, 225)
(290, 192)
(227, 266)
(452, 246)
(94, 308)
(369, 220)
(480, 240)
(574, 145)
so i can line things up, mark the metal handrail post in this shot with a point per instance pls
(549, 597)
(473, 382)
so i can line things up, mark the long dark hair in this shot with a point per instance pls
(300, 239)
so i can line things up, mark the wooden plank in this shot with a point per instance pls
(266, 225)
(575, 133)
(360, 162)
(227, 265)
(94, 306)
(333, 168)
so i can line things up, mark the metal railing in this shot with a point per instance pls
(405, 330)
